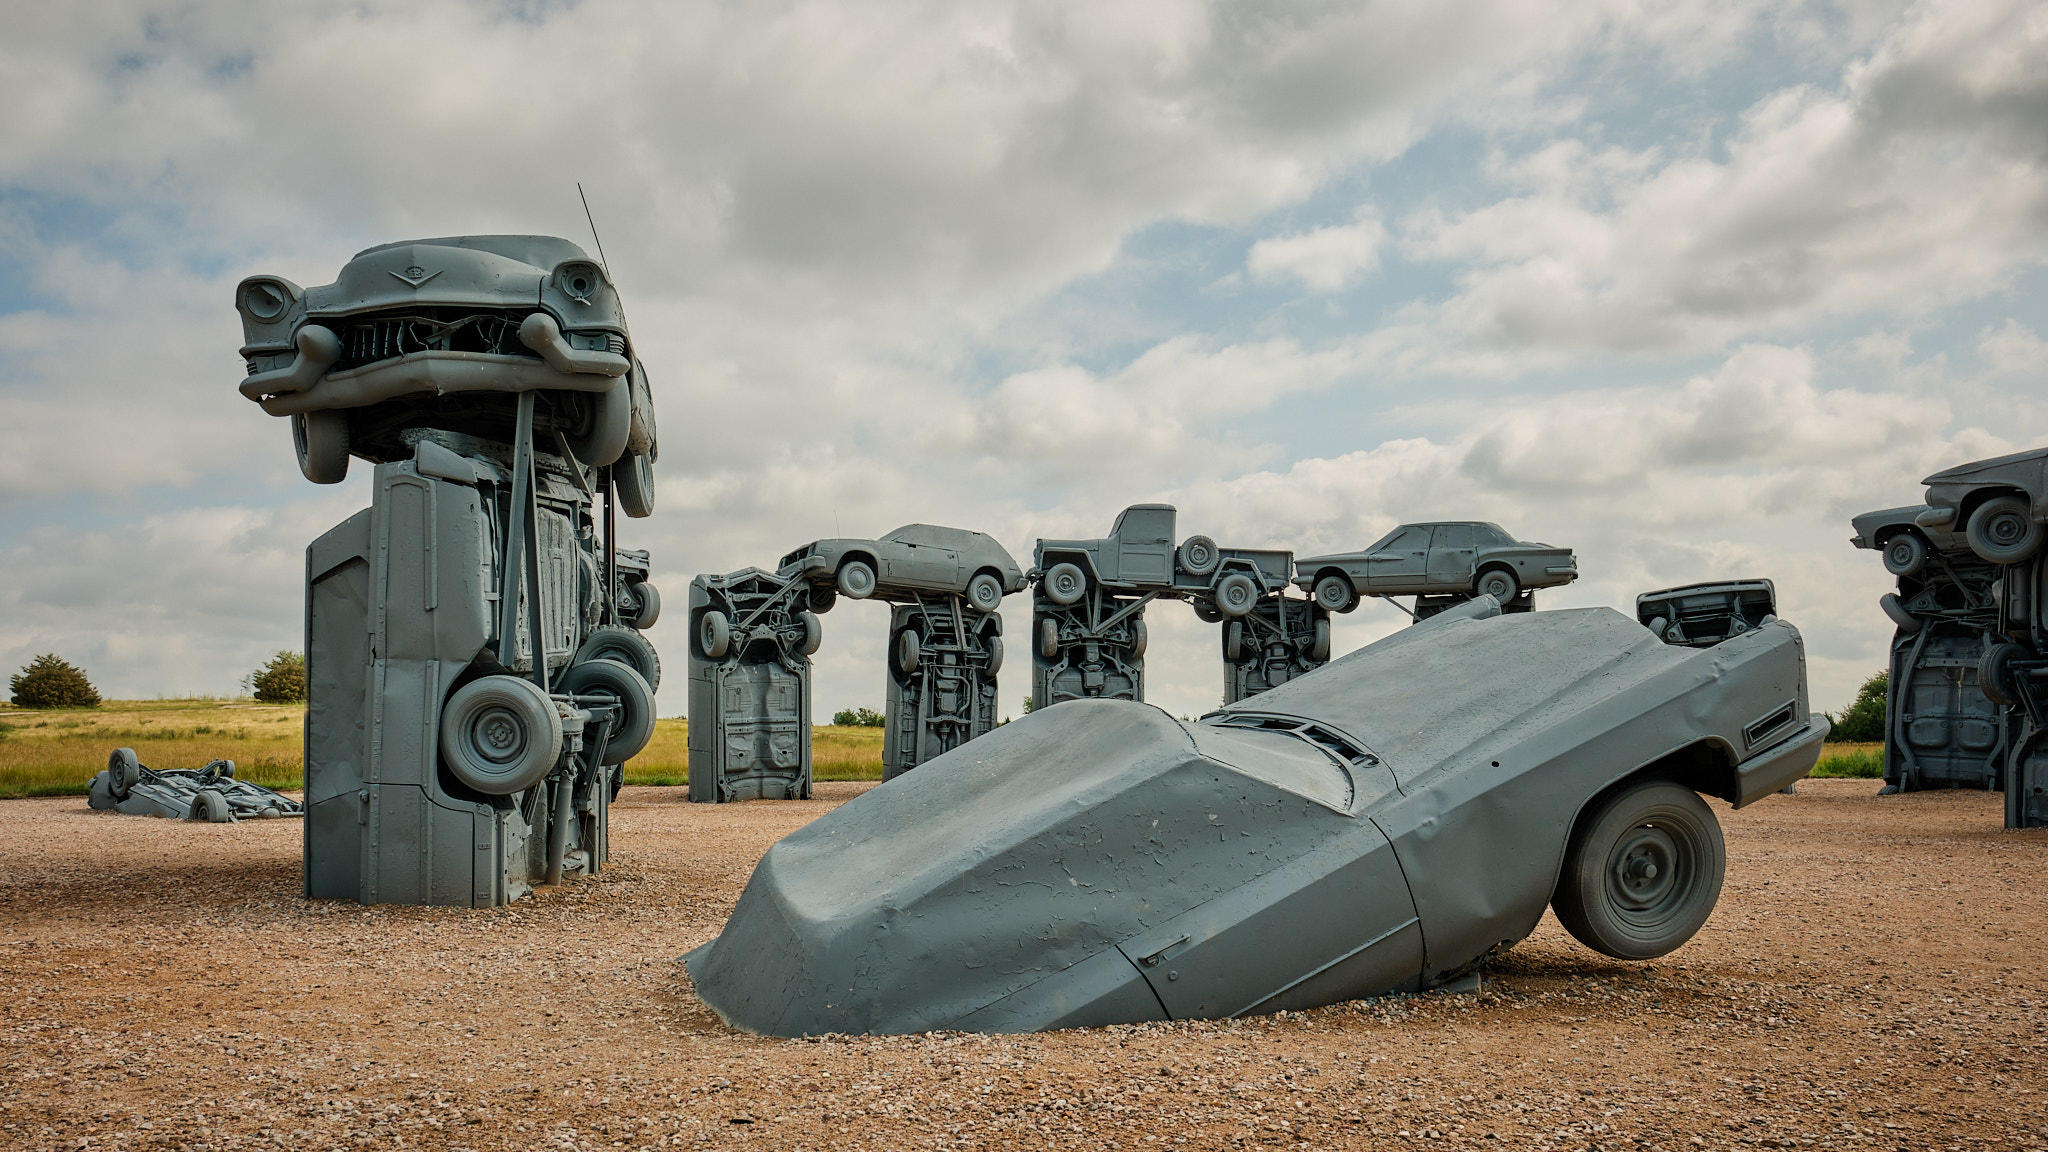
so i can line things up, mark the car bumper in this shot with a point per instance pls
(1779, 765)
(1936, 517)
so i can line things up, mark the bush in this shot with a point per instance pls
(1862, 722)
(49, 682)
(858, 718)
(280, 681)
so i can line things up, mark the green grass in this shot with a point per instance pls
(57, 752)
(1854, 761)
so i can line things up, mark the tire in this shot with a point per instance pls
(629, 690)
(822, 597)
(124, 772)
(1905, 553)
(1235, 595)
(1896, 609)
(603, 439)
(1048, 639)
(1319, 648)
(321, 441)
(985, 592)
(633, 482)
(906, 651)
(1198, 555)
(2003, 530)
(1995, 675)
(1498, 583)
(1064, 583)
(1233, 641)
(646, 607)
(500, 734)
(1335, 592)
(1205, 611)
(1643, 871)
(714, 634)
(995, 655)
(814, 633)
(612, 642)
(1141, 639)
(856, 579)
(210, 807)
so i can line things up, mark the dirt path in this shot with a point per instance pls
(1875, 977)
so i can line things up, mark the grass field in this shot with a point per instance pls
(56, 753)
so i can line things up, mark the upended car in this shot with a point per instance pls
(1385, 824)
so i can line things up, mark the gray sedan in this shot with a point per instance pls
(914, 560)
(1435, 559)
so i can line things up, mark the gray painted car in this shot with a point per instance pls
(1431, 559)
(441, 333)
(1905, 544)
(914, 560)
(1384, 824)
(1998, 504)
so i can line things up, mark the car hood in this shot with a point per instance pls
(508, 272)
(1979, 467)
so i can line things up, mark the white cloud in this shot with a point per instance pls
(1323, 260)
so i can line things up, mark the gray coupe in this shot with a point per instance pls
(1457, 556)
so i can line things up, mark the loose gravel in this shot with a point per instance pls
(1875, 977)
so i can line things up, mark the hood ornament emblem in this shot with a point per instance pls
(416, 275)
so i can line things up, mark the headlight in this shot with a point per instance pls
(265, 299)
(579, 280)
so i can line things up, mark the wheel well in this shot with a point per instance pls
(1079, 560)
(1968, 505)
(1885, 537)
(1329, 570)
(1707, 766)
(988, 570)
(1496, 566)
(866, 557)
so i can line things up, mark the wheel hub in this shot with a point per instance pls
(500, 735)
(1643, 872)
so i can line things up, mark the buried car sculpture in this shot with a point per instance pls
(1384, 824)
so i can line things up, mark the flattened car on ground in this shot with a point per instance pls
(1385, 824)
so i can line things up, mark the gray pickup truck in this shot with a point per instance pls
(1138, 557)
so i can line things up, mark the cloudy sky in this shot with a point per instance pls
(1683, 284)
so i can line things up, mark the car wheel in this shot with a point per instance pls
(1064, 583)
(1048, 639)
(995, 655)
(985, 592)
(1319, 648)
(856, 580)
(1140, 639)
(814, 633)
(210, 807)
(1498, 583)
(1995, 674)
(1235, 594)
(602, 439)
(1335, 593)
(714, 634)
(645, 606)
(908, 649)
(612, 642)
(124, 772)
(1896, 609)
(2004, 531)
(1904, 554)
(1205, 611)
(625, 688)
(1233, 641)
(1198, 555)
(822, 597)
(633, 481)
(1643, 872)
(321, 441)
(500, 734)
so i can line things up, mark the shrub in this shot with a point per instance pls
(858, 718)
(50, 682)
(1862, 722)
(280, 681)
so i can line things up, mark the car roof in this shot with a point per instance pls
(936, 535)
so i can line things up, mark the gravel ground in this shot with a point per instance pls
(1874, 977)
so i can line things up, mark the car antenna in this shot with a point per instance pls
(602, 262)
